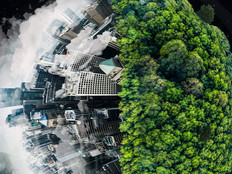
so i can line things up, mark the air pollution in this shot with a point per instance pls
(20, 48)
(5, 164)
(25, 41)
(88, 45)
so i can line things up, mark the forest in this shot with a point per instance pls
(176, 95)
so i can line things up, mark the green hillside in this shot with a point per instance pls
(176, 97)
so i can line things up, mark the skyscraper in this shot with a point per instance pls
(86, 62)
(40, 78)
(113, 68)
(98, 11)
(64, 65)
(62, 28)
(90, 84)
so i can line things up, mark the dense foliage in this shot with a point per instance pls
(176, 97)
(206, 13)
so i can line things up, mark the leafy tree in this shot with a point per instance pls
(177, 63)
(206, 13)
(176, 97)
(193, 86)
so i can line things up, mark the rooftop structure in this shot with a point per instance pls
(90, 84)
(112, 167)
(73, 115)
(112, 68)
(53, 118)
(64, 65)
(98, 11)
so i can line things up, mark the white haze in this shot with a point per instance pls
(18, 52)
(24, 41)
(88, 45)
(10, 143)
(83, 43)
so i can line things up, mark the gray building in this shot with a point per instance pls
(98, 11)
(90, 84)
(86, 62)
(113, 69)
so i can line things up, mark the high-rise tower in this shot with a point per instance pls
(98, 11)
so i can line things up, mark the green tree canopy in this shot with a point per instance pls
(206, 13)
(176, 96)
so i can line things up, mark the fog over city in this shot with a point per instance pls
(19, 49)
(25, 41)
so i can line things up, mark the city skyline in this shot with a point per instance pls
(45, 99)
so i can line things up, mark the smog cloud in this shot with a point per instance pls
(20, 47)
(88, 45)
(10, 144)
(5, 164)
(25, 41)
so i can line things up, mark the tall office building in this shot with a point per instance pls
(70, 17)
(10, 97)
(43, 140)
(98, 11)
(86, 62)
(113, 68)
(90, 84)
(47, 85)
(62, 28)
(103, 123)
(64, 65)
(112, 167)
(32, 96)
(40, 78)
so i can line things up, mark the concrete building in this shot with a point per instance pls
(102, 123)
(113, 69)
(64, 65)
(90, 84)
(53, 118)
(112, 167)
(98, 11)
